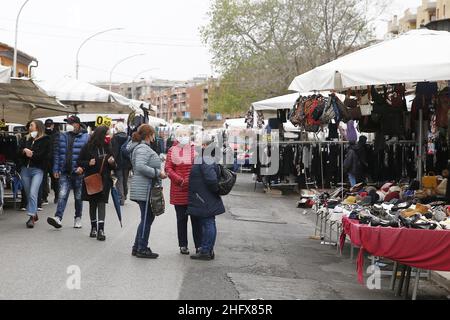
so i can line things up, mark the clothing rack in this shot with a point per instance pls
(327, 143)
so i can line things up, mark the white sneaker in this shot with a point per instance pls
(77, 224)
(55, 222)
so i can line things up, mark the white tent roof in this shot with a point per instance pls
(235, 123)
(5, 74)
(88, 98)
(286, 101)
(417, 56)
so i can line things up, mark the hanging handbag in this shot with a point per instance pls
(157, 202)
(94, 183)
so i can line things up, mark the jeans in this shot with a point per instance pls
(143, 231)
(67, 183)
(209, 234)
(352, 179)
(32, 180)
(182, 227)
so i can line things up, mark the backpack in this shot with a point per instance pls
(328, 113)
(124, 154)
(297, 115)
(227, 180)
(310, 106)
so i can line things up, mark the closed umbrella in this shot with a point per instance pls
(116, 200)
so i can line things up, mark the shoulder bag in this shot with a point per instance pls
(94, 183)
(157, 202)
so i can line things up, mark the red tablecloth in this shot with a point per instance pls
(423, 249)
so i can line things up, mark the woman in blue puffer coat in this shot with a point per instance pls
(205, 202)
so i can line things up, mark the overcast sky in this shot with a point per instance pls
(167, 31)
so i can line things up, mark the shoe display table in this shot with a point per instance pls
(412, 248)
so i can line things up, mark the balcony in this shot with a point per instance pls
(411, 18)
(431, 6)
(394, 29)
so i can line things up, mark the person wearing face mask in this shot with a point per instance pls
(146, 168)
(34, 154)
(180, 159)
(96, 157)
(65, 168)
(205, 202)
(53, 133)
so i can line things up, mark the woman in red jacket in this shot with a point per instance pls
(179, 161)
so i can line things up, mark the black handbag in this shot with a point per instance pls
(157, 202)
(227, 180)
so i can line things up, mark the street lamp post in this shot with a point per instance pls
(133, 89)
(16, 36)
(118, 63)
(77, 67)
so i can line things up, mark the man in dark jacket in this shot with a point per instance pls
(65, 169)
(53, 133)
(123, 165)
(205, 202)
(356, 161)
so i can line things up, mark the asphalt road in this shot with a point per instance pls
(263, 252)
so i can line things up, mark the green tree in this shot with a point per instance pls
(259, 46)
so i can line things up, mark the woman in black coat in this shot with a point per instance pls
(205, 202)
(96, 152)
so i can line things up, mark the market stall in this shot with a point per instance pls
(23, 99)
(404, 218)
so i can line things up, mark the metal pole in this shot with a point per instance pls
(342, 171)
(117, 64)
(420, 160)
(16, 38)
(77, 65)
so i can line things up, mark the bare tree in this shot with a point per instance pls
(266, 43)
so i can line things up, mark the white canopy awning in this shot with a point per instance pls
(5, 74)
(23, 100)
(416, 56)
(235, 123)
(87, 98)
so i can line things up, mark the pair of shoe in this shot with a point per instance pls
(184, 251)
(56, 222)
(99, 234)
(204, 256)
(31, 222)
(144, 254)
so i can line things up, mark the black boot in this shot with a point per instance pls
(101, 235)
(184, 251)
(93, 232)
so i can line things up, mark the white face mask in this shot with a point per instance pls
(184, 140)
(34, 134)
(70, 128)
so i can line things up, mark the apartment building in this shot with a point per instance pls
(24, 61)
(430, 14)
(182, 103)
